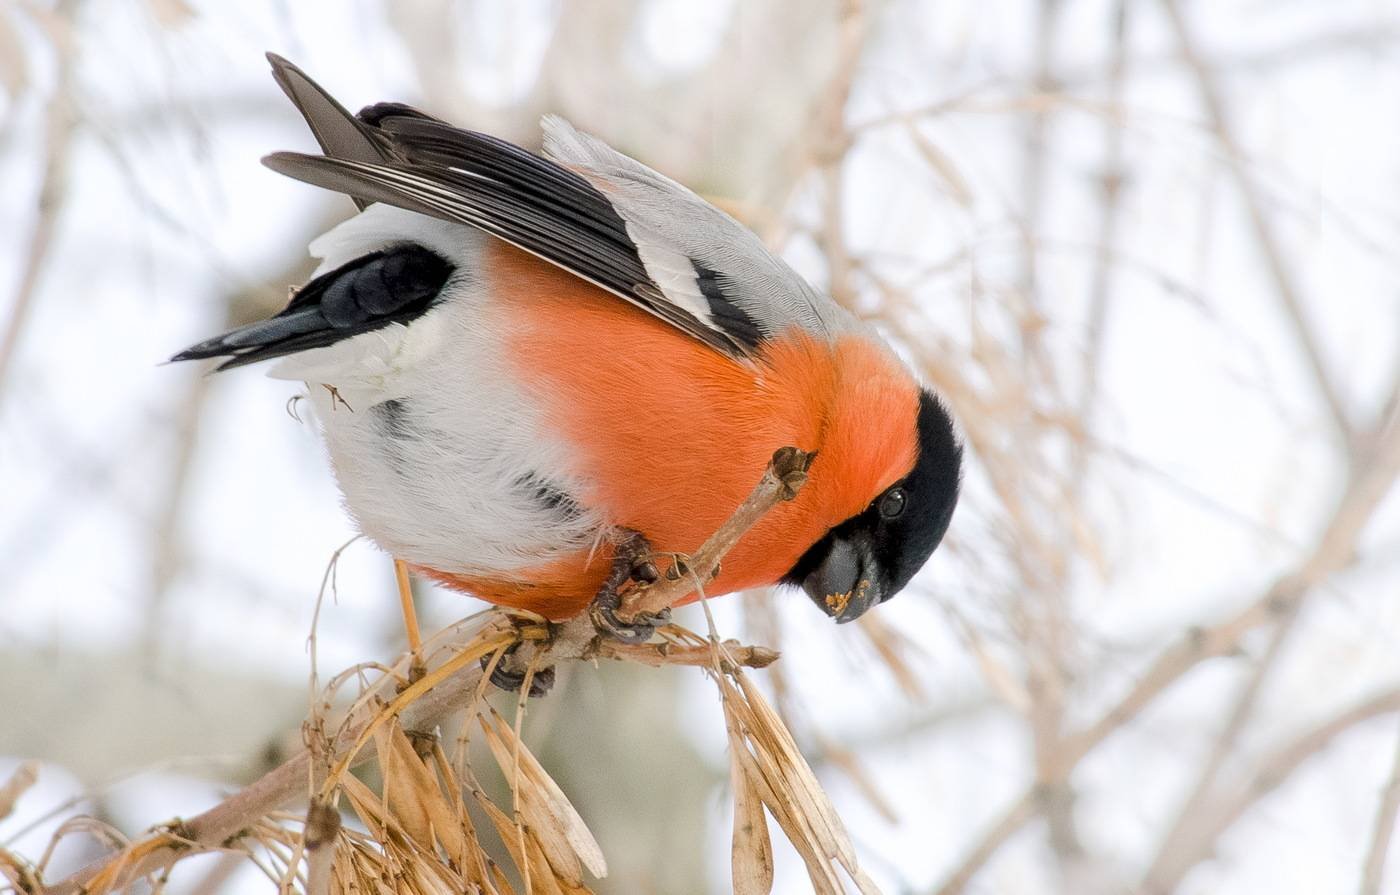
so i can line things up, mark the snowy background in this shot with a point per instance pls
(1146, 249)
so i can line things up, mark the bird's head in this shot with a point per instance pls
(868, 558)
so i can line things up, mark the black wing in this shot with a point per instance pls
(397, 155)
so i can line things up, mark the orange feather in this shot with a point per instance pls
(669, 435)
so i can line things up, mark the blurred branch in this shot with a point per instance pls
(831, 142)
(1269, 773)
(1046, 665)
(1016, 816)
(1383, 829)
(59, 126)
(166, 545)
(1334, 551)
(1111, 182)
(1288, 291)
(1374, 871)
(1186, 827)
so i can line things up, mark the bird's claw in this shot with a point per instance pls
(603, 612)
(631, 561)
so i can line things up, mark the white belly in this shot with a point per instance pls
(442, 458)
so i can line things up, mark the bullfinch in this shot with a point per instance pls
(520, 363)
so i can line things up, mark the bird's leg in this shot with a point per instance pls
(410, 620)
(631, 561)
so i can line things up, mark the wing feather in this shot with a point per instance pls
(587, 208)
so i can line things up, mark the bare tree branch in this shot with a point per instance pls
(1269, 773)
(1334, 551)
(1285, 284)
(1373, 873)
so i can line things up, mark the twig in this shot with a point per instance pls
(1186, 825)
(1333, 552)
(1389, 806)
(784, 477)
(1284, 283)
(669, 652)
(1269, 774)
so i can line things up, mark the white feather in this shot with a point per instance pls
(672, 271)
(454, 494)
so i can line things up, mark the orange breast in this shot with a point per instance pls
(670, 435)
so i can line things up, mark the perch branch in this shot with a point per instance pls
(447, 684)
(784, 477)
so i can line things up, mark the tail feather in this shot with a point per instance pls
(389, 286)
(340, 133)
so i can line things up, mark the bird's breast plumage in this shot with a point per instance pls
(667, 436)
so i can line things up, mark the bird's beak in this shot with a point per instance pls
(845, 584)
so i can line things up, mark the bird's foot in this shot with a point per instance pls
(509, 674)
(631, 562)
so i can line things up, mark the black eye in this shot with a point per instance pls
(892, 504)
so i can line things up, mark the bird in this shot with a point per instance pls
(533, 371)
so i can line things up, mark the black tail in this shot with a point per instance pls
(394, 285)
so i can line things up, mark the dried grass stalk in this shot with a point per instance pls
(771, 773)
(420, 830)
(25, 776)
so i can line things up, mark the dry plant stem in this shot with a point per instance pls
(282, 785)
(1374, 871)
(287, 783)
(575, 639)
(1284, 282)
(784, 477)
